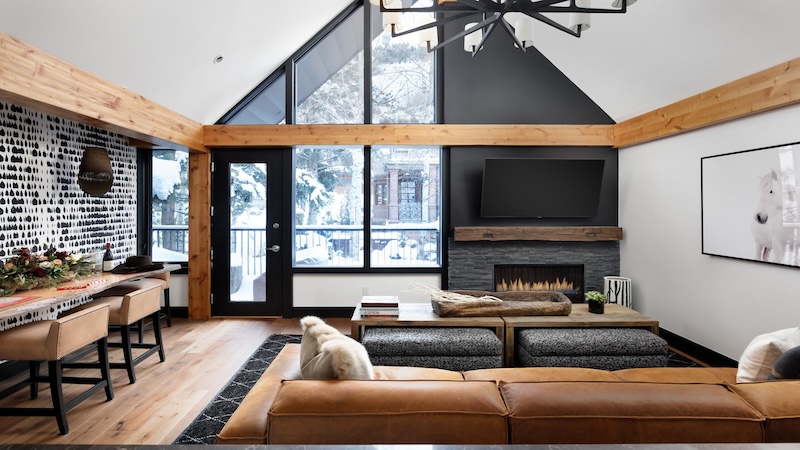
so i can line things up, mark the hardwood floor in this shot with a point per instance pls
(201, 356)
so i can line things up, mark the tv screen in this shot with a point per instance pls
(541, 187)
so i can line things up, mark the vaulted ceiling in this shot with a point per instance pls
(659, 52)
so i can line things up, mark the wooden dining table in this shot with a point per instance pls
(46, 303)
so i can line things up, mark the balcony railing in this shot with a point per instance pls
(406, 245)
(401, 245)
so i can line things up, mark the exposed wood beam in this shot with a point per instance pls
(386, 134)
(32, 78)
(199, 235)
(769, 89)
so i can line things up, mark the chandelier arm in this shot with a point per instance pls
(461, 34)
(479, 5)
(436, 23)
(448, 7)
(555, 24)
(486, 34)
(547, 6)
(510, 31)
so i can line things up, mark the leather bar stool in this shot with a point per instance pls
(125, 312)
(53, 341)
(164, 279)
(130, 286)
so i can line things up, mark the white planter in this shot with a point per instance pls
(618, 290)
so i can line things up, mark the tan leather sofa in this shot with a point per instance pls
(410, 405)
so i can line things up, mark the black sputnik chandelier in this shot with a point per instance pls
(515, 17)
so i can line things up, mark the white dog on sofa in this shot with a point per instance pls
(326, 353)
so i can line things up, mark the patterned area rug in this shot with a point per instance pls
(204, 428)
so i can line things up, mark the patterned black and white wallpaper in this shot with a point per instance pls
(40, 200)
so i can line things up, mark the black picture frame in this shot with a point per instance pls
(749, 204)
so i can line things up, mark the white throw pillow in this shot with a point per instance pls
(326, 353)
(760, 356)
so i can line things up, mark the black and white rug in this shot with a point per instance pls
(204, 428)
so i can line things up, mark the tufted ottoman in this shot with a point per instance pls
(451, 348)
(595, 348)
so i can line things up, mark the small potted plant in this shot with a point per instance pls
(596, 301)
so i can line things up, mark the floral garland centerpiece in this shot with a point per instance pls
(26, 270)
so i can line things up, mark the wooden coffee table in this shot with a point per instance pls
(616, 316)
(422, 315)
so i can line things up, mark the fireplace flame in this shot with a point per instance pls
(519, 285)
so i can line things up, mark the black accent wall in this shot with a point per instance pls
(503, 85)
(466, 176)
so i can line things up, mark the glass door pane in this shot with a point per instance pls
(248, 218)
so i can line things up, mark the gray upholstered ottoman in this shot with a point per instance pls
(451, 348)
(595, 348)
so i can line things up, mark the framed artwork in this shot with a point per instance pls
(749, 204)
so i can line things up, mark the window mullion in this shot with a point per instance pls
(367, 206)
(367, 62)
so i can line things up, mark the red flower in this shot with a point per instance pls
(38, 272)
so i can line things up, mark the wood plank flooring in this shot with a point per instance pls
(201, 357)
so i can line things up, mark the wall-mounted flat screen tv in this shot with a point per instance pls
(536, 188)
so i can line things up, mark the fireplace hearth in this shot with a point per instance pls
(566, 278)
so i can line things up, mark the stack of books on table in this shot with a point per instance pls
(379, 306)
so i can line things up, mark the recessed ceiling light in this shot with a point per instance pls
(217, 59)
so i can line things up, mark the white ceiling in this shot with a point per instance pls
(659, 52)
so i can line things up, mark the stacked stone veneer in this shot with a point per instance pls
(40, 200)
(471, 264)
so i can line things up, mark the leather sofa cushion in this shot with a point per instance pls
(415, 373)
(705, 375)
(248, 424)
(509, 374)
(623, 412)
(779, 402)
(387, 412)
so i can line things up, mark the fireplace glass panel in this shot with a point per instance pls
(567, 278)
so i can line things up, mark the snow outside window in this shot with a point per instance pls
(170, 206)
(329, 206)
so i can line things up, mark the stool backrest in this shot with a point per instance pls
(140, 304)
(77, 330)
(164, 276)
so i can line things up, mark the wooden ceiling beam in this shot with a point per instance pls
(405, 134)
(32, 78)
(769, 89)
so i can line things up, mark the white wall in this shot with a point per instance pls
(344, 290)
(333, 290)
(720, 303)
(178, 291)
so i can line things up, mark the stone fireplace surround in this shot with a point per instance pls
(471, 263)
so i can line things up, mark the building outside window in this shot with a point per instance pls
(404, 225)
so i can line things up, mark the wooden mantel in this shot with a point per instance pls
(575, 234)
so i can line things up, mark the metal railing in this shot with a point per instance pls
(174, 238)
(406, 245)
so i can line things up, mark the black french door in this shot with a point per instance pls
(248, 231)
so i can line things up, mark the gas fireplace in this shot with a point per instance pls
(567, 278)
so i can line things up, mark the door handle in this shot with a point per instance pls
(275, 248)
